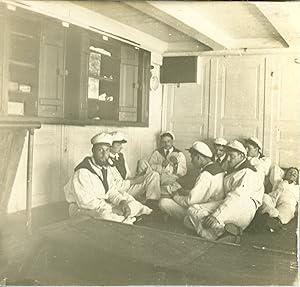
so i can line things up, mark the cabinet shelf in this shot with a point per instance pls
(107, 79)
(23, 64)
(19, 94)
(103, 79)
(24, 35)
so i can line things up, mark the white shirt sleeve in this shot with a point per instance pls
(85, 191)
(128, 173)
(181, 169)
(199, 192)
(114, 195)
(116, 181)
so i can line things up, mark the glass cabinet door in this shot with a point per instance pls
(103, 81)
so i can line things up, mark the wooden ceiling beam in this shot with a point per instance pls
(273, 13)
(183, 18)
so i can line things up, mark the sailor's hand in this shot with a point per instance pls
(137, 180)
(142, 167)
(210, 221)
(173, 160)
(125, 208)
(165, 163)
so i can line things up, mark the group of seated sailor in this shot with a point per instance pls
(231, 186)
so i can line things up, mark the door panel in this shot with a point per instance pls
(51, 71)
(284, 120)
(128, 84)
(237, 97)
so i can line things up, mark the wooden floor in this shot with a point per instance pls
(154, 252)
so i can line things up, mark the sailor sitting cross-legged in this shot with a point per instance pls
(220, 156)
(243, 195)
(94, 192)
(208, 186)
(169, 162)
(269, 171)
(148, 188)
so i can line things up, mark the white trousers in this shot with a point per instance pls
(284, 210)
(149, 189)
(113, 213)
(172, 208)
(240, 213)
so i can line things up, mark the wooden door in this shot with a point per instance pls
(128, 84)
(52, 71)
(237, 97)
(283, 110)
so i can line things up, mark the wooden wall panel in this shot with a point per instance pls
(248, 95)
(237, 97)
(282, 119)
(187, 108)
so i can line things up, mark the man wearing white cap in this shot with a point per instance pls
(167, 155)
(148, 189)
(208, 186)
(220, 156)
(92, 191)
(263, 164)
(116, 157)
(243, 195)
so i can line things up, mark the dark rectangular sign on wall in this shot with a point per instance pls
(179, 70)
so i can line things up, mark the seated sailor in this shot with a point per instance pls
(270, 172)
(281, 203)
(243, 195)
(165, 157)
(93, 190)
(148, 188)
(208, 186)
(220, 155)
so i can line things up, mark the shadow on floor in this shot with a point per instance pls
(24, 261)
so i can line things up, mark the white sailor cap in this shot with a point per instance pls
(220, 141)
(256, 141)
(202, 148)
(103, 138)
(118, 137)
(237, 146)
(168, 133)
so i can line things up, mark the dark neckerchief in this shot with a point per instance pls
(213, 168)
(245, 164)
(86, 164)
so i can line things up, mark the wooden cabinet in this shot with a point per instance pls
(23, 60)
(103, 79)
(69, 74)
(75, 101)
(129, 84)
(52, 70)
(144, 86)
